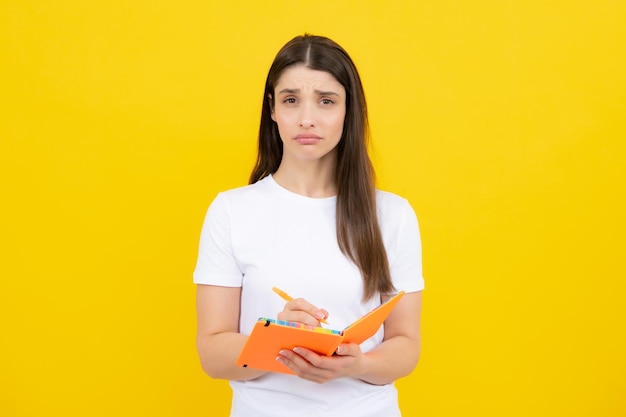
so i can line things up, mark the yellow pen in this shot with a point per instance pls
(288, 298)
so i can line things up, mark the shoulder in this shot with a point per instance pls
(247, 203)
(391, 204)
(394, 212)
(245, 194)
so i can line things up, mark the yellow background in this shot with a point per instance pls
(503, 122)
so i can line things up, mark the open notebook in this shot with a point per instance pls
(269, 336)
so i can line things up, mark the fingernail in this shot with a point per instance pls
(296, 350)
(319, 315)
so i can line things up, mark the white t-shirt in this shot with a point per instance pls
(262, 235)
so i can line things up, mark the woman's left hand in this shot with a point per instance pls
(394, 358)
(320, 368)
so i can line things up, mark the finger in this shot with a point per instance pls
(302, 367)
(309, 356)
(304, 305)
(298, 316)
(325, 315)
(347, 349)
(295, 362)
(301, 305)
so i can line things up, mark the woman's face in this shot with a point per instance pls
(309, 109)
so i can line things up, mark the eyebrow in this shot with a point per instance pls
(297, 90)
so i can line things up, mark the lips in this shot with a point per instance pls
(307, 138)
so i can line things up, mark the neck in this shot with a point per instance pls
(307, 179)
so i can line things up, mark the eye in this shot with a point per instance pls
(289, 100)
(327, 101)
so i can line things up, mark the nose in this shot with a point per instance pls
(307, 116)
(306, 123)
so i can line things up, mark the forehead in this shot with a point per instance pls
(302, 77)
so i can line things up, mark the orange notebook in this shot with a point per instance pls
(269, 336)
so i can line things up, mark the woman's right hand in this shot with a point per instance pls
(301, 311)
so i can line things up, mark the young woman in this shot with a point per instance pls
(311, 223)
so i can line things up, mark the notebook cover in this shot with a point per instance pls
(365, 327)
(269, 336)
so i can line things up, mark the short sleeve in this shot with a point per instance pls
(404, 248)
(216, 264)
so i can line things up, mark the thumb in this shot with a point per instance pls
(344, 349)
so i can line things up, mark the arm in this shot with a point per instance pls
(394, 358)
(218, 339)
(399, 352)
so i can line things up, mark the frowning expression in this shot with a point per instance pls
(309, 109)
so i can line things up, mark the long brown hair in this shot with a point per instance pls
(358, 231)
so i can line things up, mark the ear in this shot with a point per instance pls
(271, 103)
